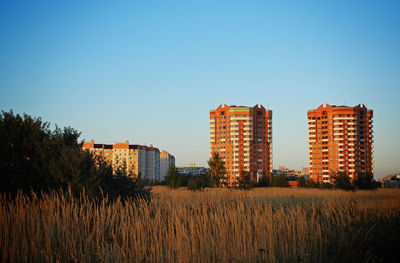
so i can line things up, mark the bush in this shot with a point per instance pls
(245, 181)
(280, 181)
(365, 181)
(263, 182)
(173, 179)
(342, 181)
(302, 181)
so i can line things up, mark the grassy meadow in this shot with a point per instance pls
(215, 225)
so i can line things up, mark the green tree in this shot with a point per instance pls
(365, 181)
(245, 180)
(264, 181)
(301, 181)
(35, 158)
(173, 178)
(280, 181)
(342, 181)
(313, 184)
(32, 157)
(217, 170)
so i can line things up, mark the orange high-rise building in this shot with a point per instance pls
(340, 139)
(243, 138)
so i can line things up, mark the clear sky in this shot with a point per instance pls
(150, 71)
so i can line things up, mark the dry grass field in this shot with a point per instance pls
(215, 225)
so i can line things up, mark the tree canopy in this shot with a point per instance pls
(35, 158)
(217, 170)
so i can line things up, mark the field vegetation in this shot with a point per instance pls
(213, 225)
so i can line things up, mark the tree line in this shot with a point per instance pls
(35, 158)
(218, 178)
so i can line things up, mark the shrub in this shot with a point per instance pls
(342, 181)
(301, 181)
(280, 181)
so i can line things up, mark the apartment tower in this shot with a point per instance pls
(243, 138)
(166, 161)
(340, 139)
(137, 159)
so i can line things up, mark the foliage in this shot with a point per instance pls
(245, 181)
(117, 184)
(280, 181)
(325, 186)
(301, 181)
(198, 182)
(313, 184)
(365, 181)
(342, 181)
(173, 178)
(35, 158)
(264, 181)
(217, 170)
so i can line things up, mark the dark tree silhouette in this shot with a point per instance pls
(35, 158)
(217, 170)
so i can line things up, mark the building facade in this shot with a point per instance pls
(136, 159)
(243, 138)
(340, 139)
(192, 169)
(166, 161)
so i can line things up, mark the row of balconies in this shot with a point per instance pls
(344, 118)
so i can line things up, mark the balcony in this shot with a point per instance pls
(345, 118)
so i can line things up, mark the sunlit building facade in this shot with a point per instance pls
(243, 138)
(166, 161)
(137, 159)
(340, 139)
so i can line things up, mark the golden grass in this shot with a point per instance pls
(216, 225)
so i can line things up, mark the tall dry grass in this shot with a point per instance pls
(216, 225)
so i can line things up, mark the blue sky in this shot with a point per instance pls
(150, 71)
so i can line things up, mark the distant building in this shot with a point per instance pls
(166, 161)
(243, 138)
(193, 170)
(340, 139)
(286, 171)
(137, 159)
(391, 181)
